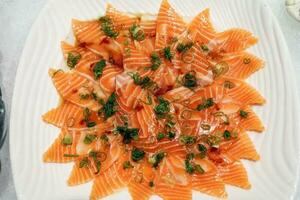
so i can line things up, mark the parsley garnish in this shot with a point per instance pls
(226, 135)
(160, 136)
(84, 162)
(206, 104)
(107, 27)
(171, 135)
(128, 133)
(127, 165)
(187, 139)
(243, 114)
(137, 154)
(155, 159)
(162, 108)
(167, 53)
(98, 68)
(189, 80)
(144, 82)
(136, 32)
(73, 59)
(109, 108)
(184, 47)
(202, 149)
(155, 61)
(89, 138)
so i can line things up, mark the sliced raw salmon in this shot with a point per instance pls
(234, 174)
(169, 25)
(88, 32)
(201, 28)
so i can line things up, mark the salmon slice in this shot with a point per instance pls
(201, 28)
(137, 60)
(242, 64)
(71, 86)
(107, 183)
(80, 175)
(88, 32)
(121, 20)
(165, 77)
(140, 191)
(209, 184)
(234, 174)
(234, 40)
(108, 79)
(68, 48)
(66, 114)
(169, 25)
(242, 148)
(139, 186)
(178, 94)
(174, 192)
(147, 121)
(252, 121)
(56, 152)
(149, 27)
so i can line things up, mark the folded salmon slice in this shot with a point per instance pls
(169, 25)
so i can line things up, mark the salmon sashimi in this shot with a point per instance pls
(169, 25)
(201, 28)
(157, 105)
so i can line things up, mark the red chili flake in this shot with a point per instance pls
(139, 107)
(164, 90)
(74, 90)
(214, 155)
(82, 122)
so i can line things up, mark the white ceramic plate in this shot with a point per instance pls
(273, 177)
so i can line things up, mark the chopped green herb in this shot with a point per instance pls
(98, 165)
(89, 138)
(207, 103)
(199, 169)
(71, 155)
(226, 135)
(67, 139)
(189, 168)
(203, 150)
(128, 133)
(190, 156)
(84, 96)
(151, 184)
(107, 27)
(155, 61)
(167, 53)
(171, 135)
(73, 59)
(220, 69)
(91, 124)
(137, 154)
(104, 138)
(160, 136)
(84, 162)
(189, 80)
(170, 124)
(109, 108)
(136, 32)
(184, 47)
(155, 159)
(162, 108)
(204, 47)
(98, 68)
(86, 114)
(144, 82)
(243, 114)
(187, 139)
(127, 165)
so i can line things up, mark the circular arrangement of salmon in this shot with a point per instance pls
(155, 104)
